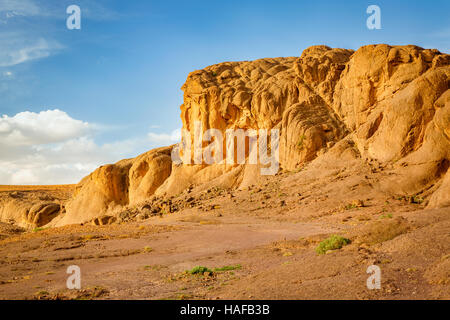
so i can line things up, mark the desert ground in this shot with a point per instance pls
(257, 243)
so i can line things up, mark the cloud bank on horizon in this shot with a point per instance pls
(51, 147)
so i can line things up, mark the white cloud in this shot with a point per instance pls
(24, 176)
(17, 48)
(50, 147)
(12, 8)
(29, 128)
(164, 138)
(23, 36)
(22, 42)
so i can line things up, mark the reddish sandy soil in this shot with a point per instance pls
(270, 232)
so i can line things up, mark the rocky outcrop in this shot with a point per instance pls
(35, 206)
(390, 102)
(42, 213)
(113, 186)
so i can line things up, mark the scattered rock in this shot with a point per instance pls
(42, 213)
(16, 195)
(103, 220)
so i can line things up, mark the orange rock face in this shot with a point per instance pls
(113, 186)
(391, 102)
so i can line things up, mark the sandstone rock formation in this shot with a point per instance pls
(112, 186)
(35, 207)
(42, 213)
(389, 104)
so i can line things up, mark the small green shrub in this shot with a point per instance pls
(332, 243)
(228, 268)
(350, 206)
(199, 270)
(355, 204)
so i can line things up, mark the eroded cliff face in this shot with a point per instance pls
(114, 186)
(392, 103)
(33, 207)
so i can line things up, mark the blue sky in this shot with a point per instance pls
(117, 80)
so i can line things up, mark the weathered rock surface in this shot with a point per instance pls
(113, 186)
(42, 213)
(34, 206)
(381, 103)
